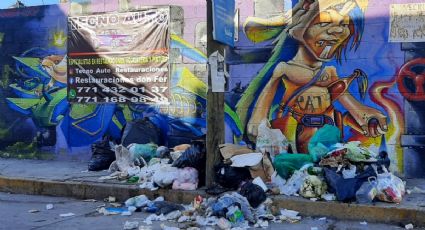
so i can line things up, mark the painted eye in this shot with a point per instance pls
(323, 24)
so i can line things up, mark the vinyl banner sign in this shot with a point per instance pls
(119, 57)
(407, 22)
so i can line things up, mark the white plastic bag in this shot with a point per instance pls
(278, 182)
(294, 183)
(248, 159)
(165, 176)
(390, 188)
(270, 140)
(123, 160)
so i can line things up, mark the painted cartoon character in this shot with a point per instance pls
(321, 30)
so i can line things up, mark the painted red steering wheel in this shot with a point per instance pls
(416, 77)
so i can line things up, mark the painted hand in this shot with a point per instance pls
(371, 121)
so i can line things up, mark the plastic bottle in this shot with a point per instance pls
(367, 191)
(235, 215)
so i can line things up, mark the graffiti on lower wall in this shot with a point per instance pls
(322, 64)
(37, 121)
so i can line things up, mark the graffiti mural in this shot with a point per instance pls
(37, 121)
(313, 75)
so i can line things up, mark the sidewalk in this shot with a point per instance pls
(71, 179)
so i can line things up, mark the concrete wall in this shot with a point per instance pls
(398, 127)
(33, 127)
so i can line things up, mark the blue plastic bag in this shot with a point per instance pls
(322, 140)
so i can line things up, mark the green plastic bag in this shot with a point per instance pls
(286, 164)
(322, 140)
(146, 151)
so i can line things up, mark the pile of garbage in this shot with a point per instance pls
(229, 211)
(139, 160)
(331, 170)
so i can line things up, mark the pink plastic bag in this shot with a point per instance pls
(187, 179)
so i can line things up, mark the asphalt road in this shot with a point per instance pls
(16, 214)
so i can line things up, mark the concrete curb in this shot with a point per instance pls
(99, 191)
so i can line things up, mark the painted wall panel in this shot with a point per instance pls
(38, 122)
(343, 36)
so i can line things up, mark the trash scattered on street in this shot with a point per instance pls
(418, 190)
(110, 199)
(165, 227)
(408, 226)
(33, 211)
(49, 206)
(330, 170)
(67, 214)
(128, 225)
(363, 223)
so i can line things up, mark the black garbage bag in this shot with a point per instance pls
(230, 177)
(141, 131)
(102, 155)
(195, 157)
(345, 189)
(383, 160)
(253, 193)
(163, 207)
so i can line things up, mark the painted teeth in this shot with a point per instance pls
(325, 52)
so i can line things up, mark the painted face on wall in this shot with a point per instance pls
(326, 33)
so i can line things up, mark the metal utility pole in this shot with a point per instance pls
(215, 107)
